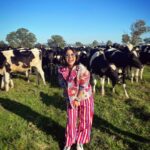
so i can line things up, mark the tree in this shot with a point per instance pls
(147, 40)
(78, 44)
(21, 38)
(39, 45)
(109, 43)
(125, 38)
(95, 43)
(3, 45)
(137, 30)
(56, 41)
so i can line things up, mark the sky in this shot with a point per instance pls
(75, 20)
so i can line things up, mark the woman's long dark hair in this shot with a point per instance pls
(76, 55)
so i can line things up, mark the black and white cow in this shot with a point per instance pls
(143, 53)
(19, 61)
(97, 64)
(122, 57)
(144, 56)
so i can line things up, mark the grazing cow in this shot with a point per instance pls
(122, 58)
(97, 64)
(20, 61)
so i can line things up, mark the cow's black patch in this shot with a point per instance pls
(2, 60)
(24, 56)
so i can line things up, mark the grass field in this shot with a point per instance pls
(33, 117)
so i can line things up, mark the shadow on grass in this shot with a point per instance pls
(53, 80)
(99, 123)
(56, 100)
(126, 136)
(138, 112)
(45, 124)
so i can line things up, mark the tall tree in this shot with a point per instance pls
(3, 45)
(21, 38)
(125, 38)
(78, 44)
(137, 30)
(109, 43)
(95, 43)
(147, 40)
(56, 41)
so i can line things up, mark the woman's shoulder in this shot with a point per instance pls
(82, 67)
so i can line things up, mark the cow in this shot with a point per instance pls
(97, 64)
(20, 61)
(143, 53)
(122, 57)
(144, 56)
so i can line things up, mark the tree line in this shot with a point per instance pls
(24, 38)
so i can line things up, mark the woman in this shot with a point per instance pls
(75, 78)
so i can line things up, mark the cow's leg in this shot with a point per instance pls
(41, 72)
(141, 73)
(2, 83)
(51, 69)
(6, 81)
(27, 75)
(137, 75)
(56, 69)
(93, 83)
(132, 74)
(11, 83)
(125, 91)
(102, 86)
(124, 84)
(108, 81)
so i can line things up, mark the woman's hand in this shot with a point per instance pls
(76, 103)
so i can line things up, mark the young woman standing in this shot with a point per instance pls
(75, 79)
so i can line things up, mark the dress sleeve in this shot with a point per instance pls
(84, 78)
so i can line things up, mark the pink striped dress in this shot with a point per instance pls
(79, 120)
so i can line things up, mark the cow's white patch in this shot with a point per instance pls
(113, 66)
(93, 57)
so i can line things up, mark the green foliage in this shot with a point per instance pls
(95, 43)
(78, 44)
(109, 43)
(138, 28)
(147, 40)
(3, 44)
(34, 117)
(56, 41)
(21, 38)
(125, 38)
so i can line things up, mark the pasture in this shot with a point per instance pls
(33, 117)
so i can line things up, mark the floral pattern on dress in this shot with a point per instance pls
(78, 79)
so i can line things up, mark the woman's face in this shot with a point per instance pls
(70, 58)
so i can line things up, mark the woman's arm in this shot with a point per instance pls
(84, 79)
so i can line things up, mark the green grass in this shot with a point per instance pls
(33, 117)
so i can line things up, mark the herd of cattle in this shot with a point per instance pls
(111, 62)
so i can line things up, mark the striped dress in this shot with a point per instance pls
(79, 120)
